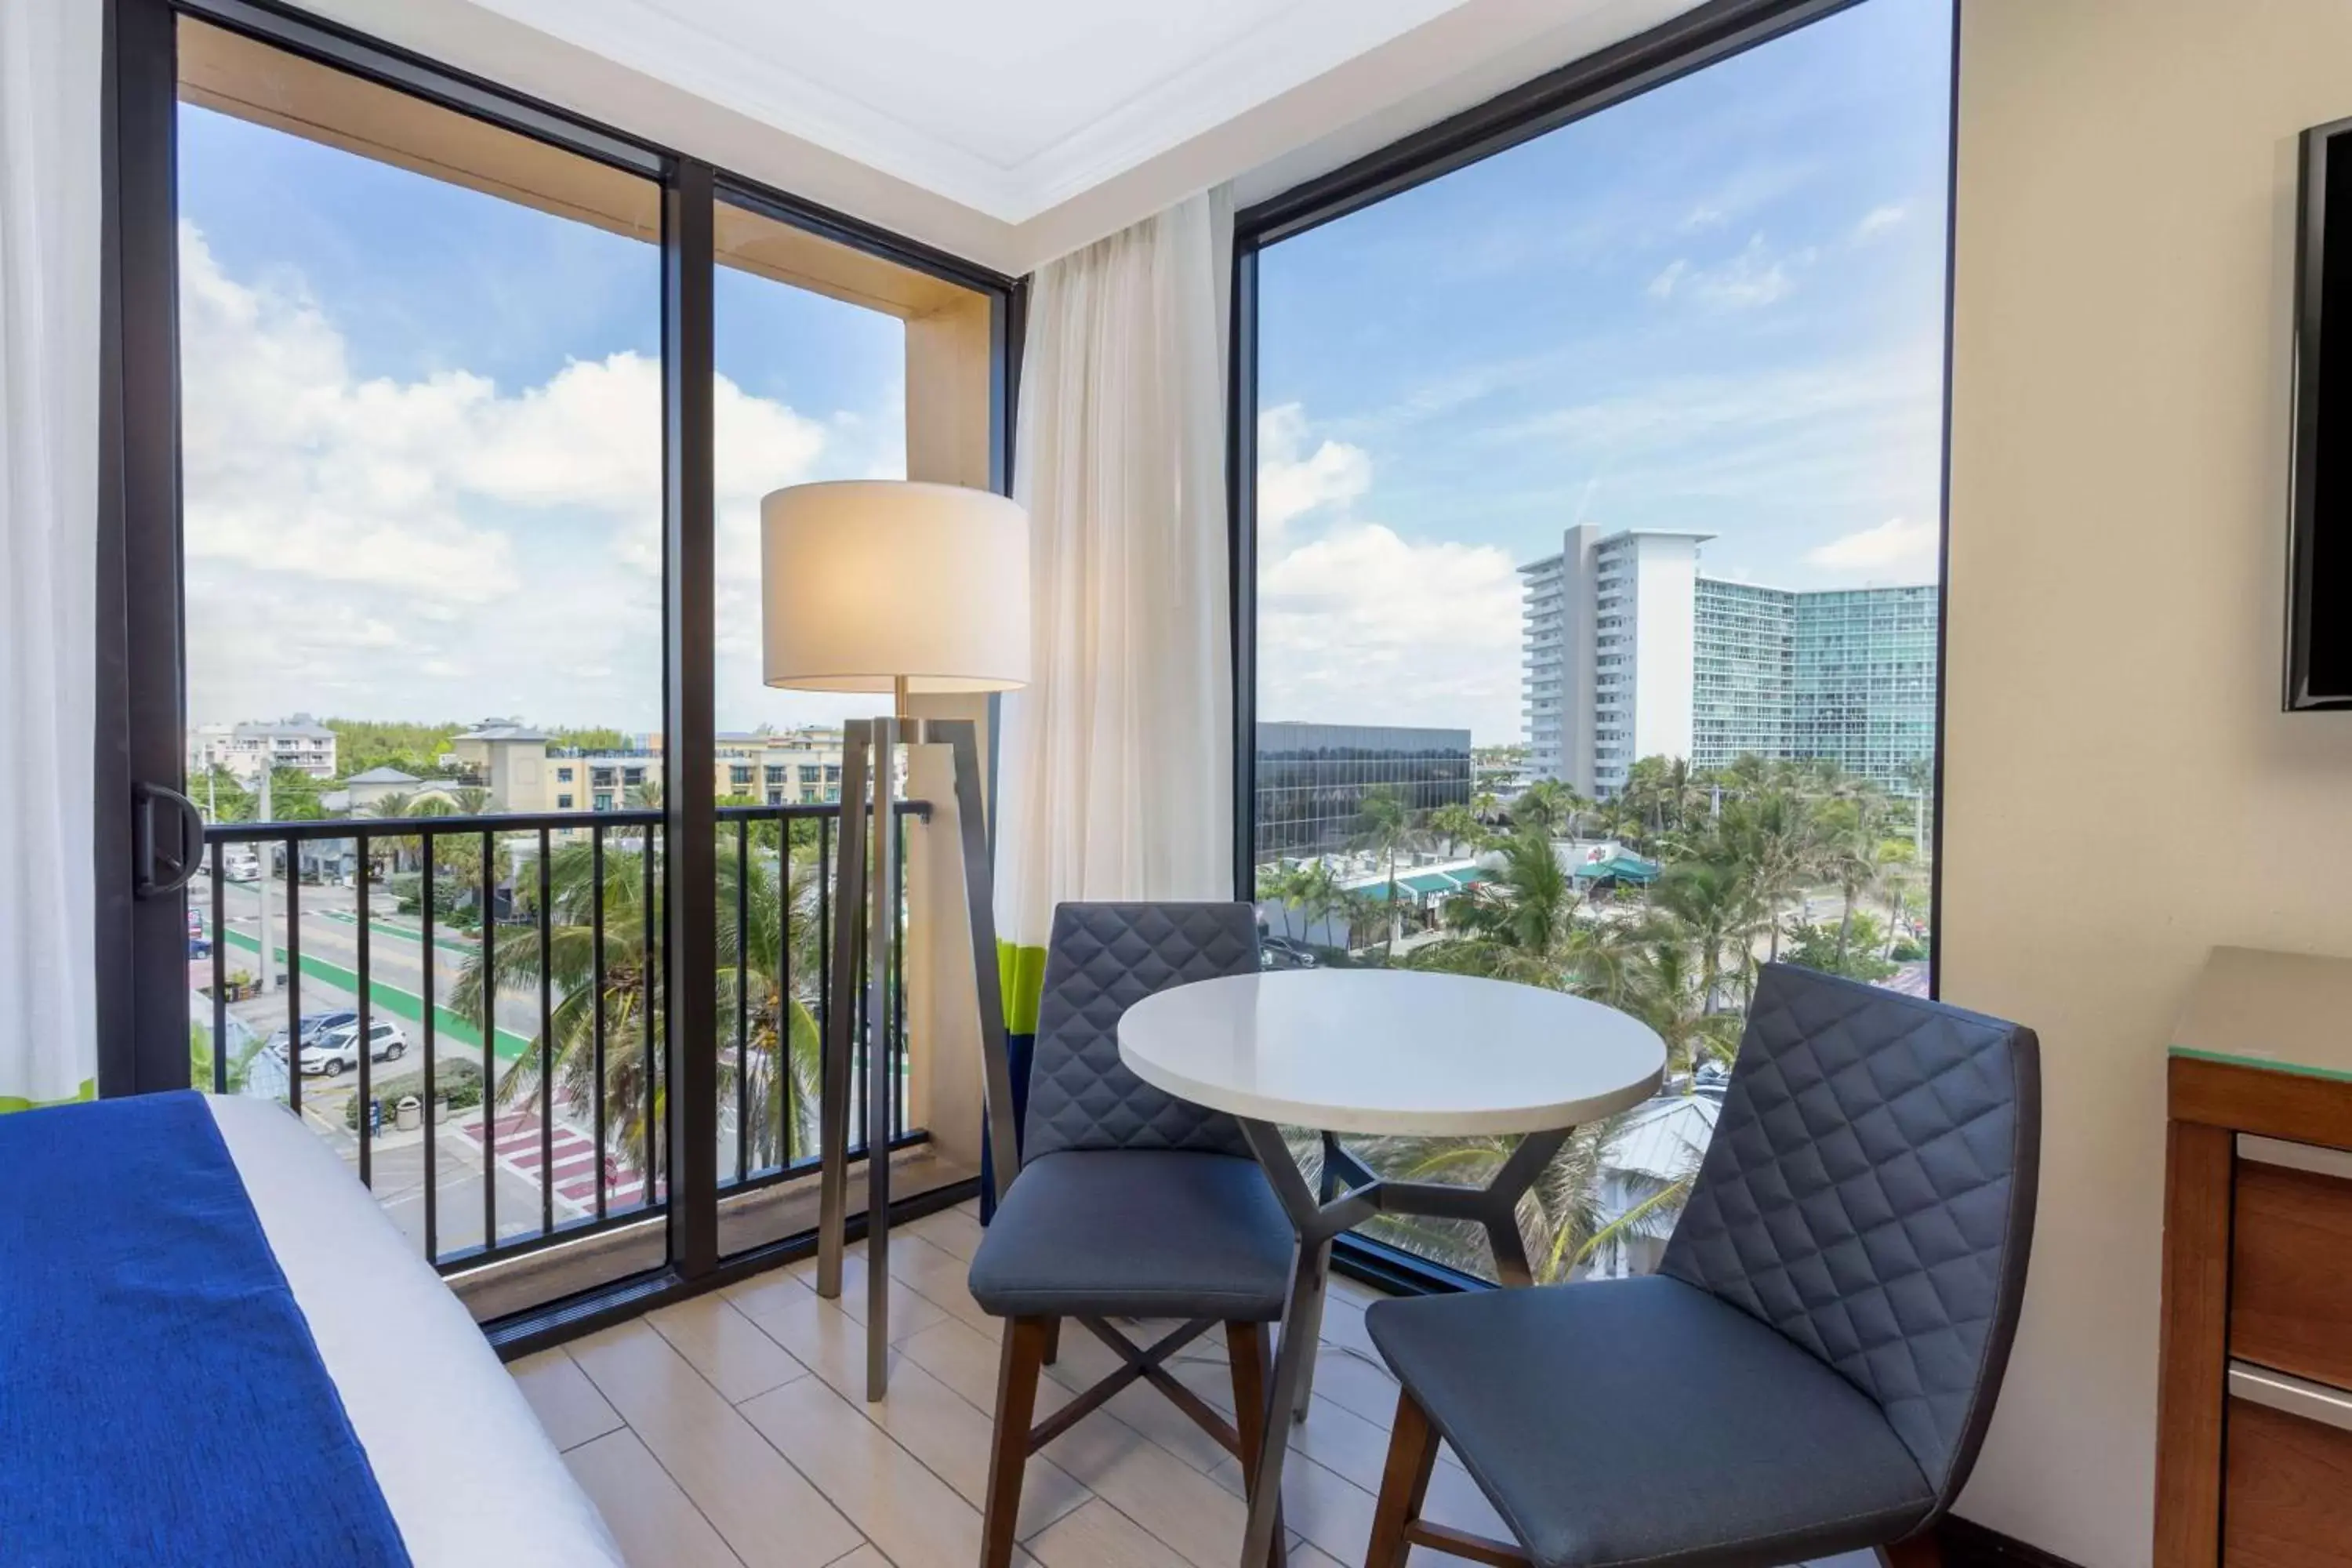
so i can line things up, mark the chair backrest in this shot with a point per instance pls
(1102, 959)
(1870, 1194)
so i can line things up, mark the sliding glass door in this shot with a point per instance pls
(466, 829)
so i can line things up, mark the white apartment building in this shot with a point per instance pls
(245, 749)
(1629, 653)
(1609, 626)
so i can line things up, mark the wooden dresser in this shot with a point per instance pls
(2254, 1401)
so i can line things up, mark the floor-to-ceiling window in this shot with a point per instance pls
(421, 449)
(1597, 520)
(828, 366)
(453, 417)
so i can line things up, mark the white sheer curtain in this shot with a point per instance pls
(1115, 777)
(50, 68)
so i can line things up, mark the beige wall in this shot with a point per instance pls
(2121, 790)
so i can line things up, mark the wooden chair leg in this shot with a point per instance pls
(1250, 1348)
(1920, 1551)
(1053, 1341)
(1016, 1406)
(1404, 1485)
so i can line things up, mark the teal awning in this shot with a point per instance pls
(1622, 868)
(1425, 884)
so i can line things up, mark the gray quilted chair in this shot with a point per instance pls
(1130, 1203)
(1813, 1368)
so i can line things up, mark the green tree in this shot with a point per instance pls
(1713, 906)
(1849, 832)
(1456, 825)
(294, 796)
(1279, 884)
(1666, 991)
(1817, 946)
(780, 1060)
(1389, 828)
(364, 743)
(1549, 807)
(589, 740)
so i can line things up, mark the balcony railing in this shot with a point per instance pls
(554, 921)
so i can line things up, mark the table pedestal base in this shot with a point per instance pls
(1351, 1194)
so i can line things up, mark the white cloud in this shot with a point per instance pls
(441, 547)
(1292, 480)
(1879, 219)
(1753, 276)
(1896, 549)
(1362, 624)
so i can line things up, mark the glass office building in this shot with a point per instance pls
(1312, 780)
(1743, 671)
(1865, 681)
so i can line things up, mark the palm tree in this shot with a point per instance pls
(781, 1045)
(1897, 867)
(1850, 840)
(646, 795)
(472, 800)
(1560, 1218)
(1550, 806)
(1711, 902)
(1666, 993)
(1772, 834)
(1456, 825)
(1279, 884)
(1386, 826)
(632, 995)
(393, 806)
(1530, 925)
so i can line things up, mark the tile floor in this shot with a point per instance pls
(731, 1431)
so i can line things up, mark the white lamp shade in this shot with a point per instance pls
(867, 581)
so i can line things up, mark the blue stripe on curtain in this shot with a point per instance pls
(160, 1398)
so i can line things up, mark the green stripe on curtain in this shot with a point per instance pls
(1020, 972)
(89, 1090)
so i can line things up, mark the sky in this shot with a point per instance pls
(1717, 307)
(422, 425)
(422, 445)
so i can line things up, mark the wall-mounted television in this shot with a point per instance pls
(2319, 603)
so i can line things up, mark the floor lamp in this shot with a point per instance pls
(912, 589)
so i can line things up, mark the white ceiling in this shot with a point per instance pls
(1010, 130)
(1009, 107)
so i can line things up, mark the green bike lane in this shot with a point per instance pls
(385, 997)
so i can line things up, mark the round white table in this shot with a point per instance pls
(1392, 1052)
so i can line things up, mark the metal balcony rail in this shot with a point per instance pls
(541, 906)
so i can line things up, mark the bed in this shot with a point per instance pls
(158, 1401)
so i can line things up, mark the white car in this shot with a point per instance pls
(337, 1050)
(241, 869)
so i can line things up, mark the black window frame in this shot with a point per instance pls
(1704, 35)
(142, 731)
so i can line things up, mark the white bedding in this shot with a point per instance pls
(470, 1477)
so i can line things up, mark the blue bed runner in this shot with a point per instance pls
(160, 1398)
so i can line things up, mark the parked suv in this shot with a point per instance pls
(315, 1026)
(337, 1050)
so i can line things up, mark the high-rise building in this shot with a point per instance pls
(1312, 780)
(1608, 644)
(1631, 653)
(1865, 680)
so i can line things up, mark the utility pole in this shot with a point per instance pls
(261, 889)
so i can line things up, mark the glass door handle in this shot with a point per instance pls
(156, 872)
